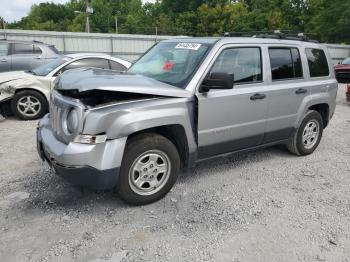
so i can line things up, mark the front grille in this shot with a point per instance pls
(55, 118)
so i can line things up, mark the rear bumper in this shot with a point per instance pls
(91, 166)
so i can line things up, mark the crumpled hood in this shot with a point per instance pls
(10, 76)
(87, 79)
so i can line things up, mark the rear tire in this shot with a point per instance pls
(307, 137)
(150, 167)
(29, 105)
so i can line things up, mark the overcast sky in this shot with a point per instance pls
(14, 10)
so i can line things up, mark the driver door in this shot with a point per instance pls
(234, 119)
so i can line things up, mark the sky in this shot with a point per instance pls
(14, 10)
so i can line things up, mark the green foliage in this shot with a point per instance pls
(328, 20)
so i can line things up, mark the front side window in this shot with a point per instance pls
(173, 63)
(285, 63)
(318, 64)
(4, 47)
(23, 49)
(244, 63)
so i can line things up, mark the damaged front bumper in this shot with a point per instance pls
(6, 93)
(92, 166)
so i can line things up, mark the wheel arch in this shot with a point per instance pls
(320, 103)
(176, 134)
(35, 90)
(323, 109)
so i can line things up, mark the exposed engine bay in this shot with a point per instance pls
(94, 98)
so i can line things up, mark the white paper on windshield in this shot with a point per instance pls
(190, 46)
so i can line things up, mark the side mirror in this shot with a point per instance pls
(217, 80)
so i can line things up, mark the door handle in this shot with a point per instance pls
(301, 91)
(257, 96)
(3, 60)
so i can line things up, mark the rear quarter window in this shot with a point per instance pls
(53, 49)
(317, 61)
(37, 50)
(117, 66)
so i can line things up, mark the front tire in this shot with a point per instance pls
(150, 167)
(307, 137)
(29, 105)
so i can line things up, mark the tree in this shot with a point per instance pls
(46, 16)
(326, 20)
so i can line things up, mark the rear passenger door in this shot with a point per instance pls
(23, 56)
(287, 90)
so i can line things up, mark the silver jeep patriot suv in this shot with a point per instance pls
(184, 101)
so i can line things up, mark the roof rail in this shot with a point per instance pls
(277, 34)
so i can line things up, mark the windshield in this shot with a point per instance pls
(346, 61)
(47, 68)
(173, 63)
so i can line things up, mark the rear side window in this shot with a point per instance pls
(318, 64)
(117, 66)
(88, 62)
(285, 63)
(4, 49)
(244, 63)
(23, 49)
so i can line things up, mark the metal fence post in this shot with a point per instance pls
(64, 44)
(112, 51)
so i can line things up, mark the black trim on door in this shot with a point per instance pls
(229, 146)
(275, 137)
(278, 135)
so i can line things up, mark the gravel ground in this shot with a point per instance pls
(265, 205)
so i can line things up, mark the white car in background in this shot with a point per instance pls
(27, 93)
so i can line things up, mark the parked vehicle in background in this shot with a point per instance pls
(184, 101)
(343, 74)
(28, 92)
(22, 55)
(343, 70)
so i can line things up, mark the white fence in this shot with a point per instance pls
(122, 45)
(338, 52)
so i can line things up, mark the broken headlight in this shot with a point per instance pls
(72, 121)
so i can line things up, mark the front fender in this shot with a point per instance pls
(123, 120)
